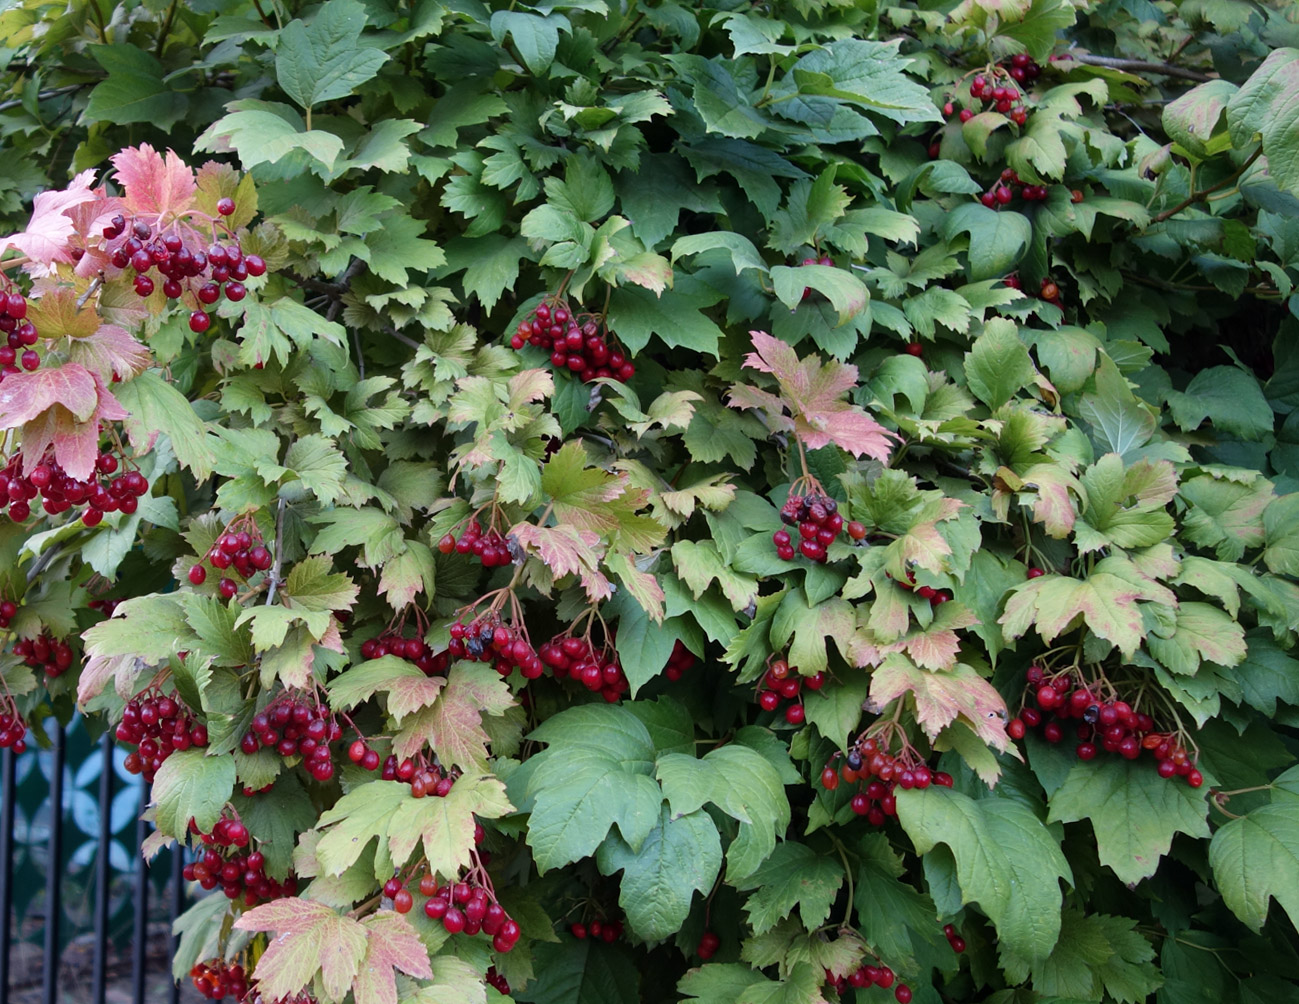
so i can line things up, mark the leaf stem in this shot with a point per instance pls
(1136, 65)
(1200, 195)
(166, 29)
(847, 871)
(276, 567)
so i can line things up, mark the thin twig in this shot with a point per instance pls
(54, 92)
(402, 338)
(277, 565)
(166, 29)
(90, 291)
(1136, 66)
(1197, 196)
(42, 562)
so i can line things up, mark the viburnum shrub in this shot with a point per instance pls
(642, 501)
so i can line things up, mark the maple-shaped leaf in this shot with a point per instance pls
(309, 938)
(643, 586)
(1055, 488)
(407, 687)
(61, 407)
(940, 697)
(393, 944)
(812, 392)
(48, 237)
(111, 351)
(154, 186)
(453, 724)
(935, 646)
(567, 550)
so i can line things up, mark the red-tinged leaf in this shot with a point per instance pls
(643, 586)
(393, 944)
(941, 697)
(530, 386)
(812, 392)
(47, 239)
(309, 938)
(1105, 602)
(63, 408)
(111, 351)
(56, 314)
(567, 550)
(444, 827)
(453, 724)
(154, 185)
(936, 646)
(1055, 488)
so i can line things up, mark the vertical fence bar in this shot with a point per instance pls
(177, 906)
(6, 867)
(54, 873)
(139, 956)
(103, 871)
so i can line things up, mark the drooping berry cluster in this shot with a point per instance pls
(45, 653)
(488, 639)
(597, 669)
(20, 335)
(782, 682)
(606, 929)
(870, 976)
(491, 548)
(819, 523)
(466, 906)
(100, 493)
(953, 938)
(708, 945)
(158, 725)
(217, 979)
(225, 862)
(293, 725)
(679, 662)
(240, 547)
(999, 94)
(878, 772)
(13, 730)
(1100, 725)
(413, 650)
(575, 342)
(187, 269)
(1009, 186)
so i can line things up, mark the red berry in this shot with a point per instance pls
(1035, 573)
(199, 322)
(903, 994)
(198, 575)
(225, 206)
(913, 349)
(794, 714)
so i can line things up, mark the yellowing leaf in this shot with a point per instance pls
(310, 938)
(392, 944)
(566, 550)
(942, 696)
(452, 724)
(812, 391)
(1105, 602)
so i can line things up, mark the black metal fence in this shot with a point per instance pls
(71, 874)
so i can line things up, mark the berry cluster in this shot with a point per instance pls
(184, 269)
(218, 979)
(574, 343)
(1004, 97)
(953, 938)
(100, 493)
(463, 906)
(577, 659)
(936, 597)
(240, 548)
(413, 650)
(104, 606)
(492, 549)
(13, 730)
(8, 611)
(679, 661)
(1022, 68)
(45, 653)
(870, 764)
(295, 726)
(224, 862)
(782, 682)
(1004, 192)
(870, 976)
(157, 725)
(605, 930)
(819, 523)
(497, 981)
(1049, 289)
(708, 945)
(487, 639)
(1109, 726)
(20, 335)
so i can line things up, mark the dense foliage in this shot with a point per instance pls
(604, 502)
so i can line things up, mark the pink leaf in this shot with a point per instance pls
(47, 239)
(154, 186)
(310, 937)
(941, 697)
(567, 550)
(393, 944)
(812, 392)
(60, 407)
(111, 351)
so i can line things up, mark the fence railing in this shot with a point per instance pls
(71, 872)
